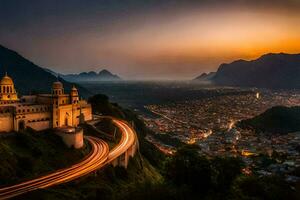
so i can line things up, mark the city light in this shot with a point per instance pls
(257, 95)
(247, 153)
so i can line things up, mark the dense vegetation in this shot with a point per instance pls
(30, 154)
(278, 119)
(108, 183)
(187, 175)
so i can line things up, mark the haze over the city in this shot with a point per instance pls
(148, 39)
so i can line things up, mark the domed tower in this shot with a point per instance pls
(74, 95)
(7, 89)
(57, 88)
(57, 92)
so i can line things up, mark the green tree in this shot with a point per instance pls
(190, 169)
(101, 105)
(264, 188)
(226, 170)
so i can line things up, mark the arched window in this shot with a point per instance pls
(4, 89)
(7, 89)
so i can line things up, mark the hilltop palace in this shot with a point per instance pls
(42, 111)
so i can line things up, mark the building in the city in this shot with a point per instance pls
(41, 111)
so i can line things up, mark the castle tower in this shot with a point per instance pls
(7, 89)
(57, 91)
(74, 100)
(74, 95)
(57, 88)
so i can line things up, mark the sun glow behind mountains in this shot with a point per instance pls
(155, 40)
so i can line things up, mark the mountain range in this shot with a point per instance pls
(276, 71)
(103, 75)
(29, 77)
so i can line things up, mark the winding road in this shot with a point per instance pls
(127, 140)
(99, 156)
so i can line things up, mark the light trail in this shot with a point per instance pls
(96, 159)
(93, 161)
(128, 139)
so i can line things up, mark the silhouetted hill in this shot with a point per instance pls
(205, 76)
(103, 75)
(278, 119)
(27, 76)
(277, 71)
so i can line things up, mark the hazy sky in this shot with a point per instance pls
(148, 39)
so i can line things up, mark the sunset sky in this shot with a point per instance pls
(151, 39)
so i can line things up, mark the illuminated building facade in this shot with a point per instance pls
(41, 111)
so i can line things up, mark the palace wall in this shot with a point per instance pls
(39, 125)
(65, 115)
(87, 112)
(37, 120)
(44, 99)
(22, 109)
(64, 99)
(76, 114)
(72, 137)
(6, 122)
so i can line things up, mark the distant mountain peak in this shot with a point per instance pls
(104, 71)
(102, 75)
(205, 76)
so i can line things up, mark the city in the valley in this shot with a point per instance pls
(210, 123)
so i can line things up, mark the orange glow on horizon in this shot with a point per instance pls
(206, 39)
(176, 44)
